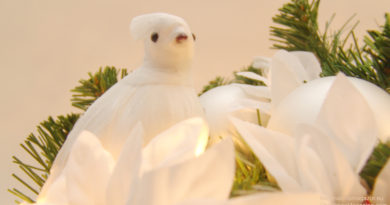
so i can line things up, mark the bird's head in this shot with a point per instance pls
(168, 40)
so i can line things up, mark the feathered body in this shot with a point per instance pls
(158, 94)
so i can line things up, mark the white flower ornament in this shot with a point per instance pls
(325, 155)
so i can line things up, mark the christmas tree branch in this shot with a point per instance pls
(298, 30)
(42, 148)
(219, 81)
(95, 86)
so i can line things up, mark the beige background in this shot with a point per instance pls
(46, 46)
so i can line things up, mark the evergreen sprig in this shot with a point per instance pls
(219, 81)
(378, 47)
(243, 80)
(298, 30)
(43, 148)
(375, 163)
(250, 176)
(95, 86)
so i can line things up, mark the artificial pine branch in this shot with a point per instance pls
(378, 47)
(219, 81)
(378, 158)
(243, 80)
(299, 31)
(95, 86)
(42, 147)
(250, 176)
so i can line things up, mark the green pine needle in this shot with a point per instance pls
(378, 49)
(244, 80)
(218, 81)
(95, 86)
(43, 148)
(375, 163)
(298, 30)
(250, 176)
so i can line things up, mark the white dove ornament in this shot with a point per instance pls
(158, 93)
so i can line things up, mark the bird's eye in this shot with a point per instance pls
(194, 37)
(154, 37)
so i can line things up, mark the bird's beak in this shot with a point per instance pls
(181, 38)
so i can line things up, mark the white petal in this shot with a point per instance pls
(382, 185)
(275, 150)
(379, 101)
(254, 76)
(287, 73)
(310, 63)
(300, 106)
(260, 93)
(204, 202)
(346, 116)
(281, 198)
(87, 171)
(262, 63)
(312, 172)
(208, 176)
(126, 171)
(180, 142)
(342, 178)
(221, 102)
(77, 184)
(56, 193)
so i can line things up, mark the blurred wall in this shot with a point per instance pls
(47, 46)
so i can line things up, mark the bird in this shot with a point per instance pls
(158, 94)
